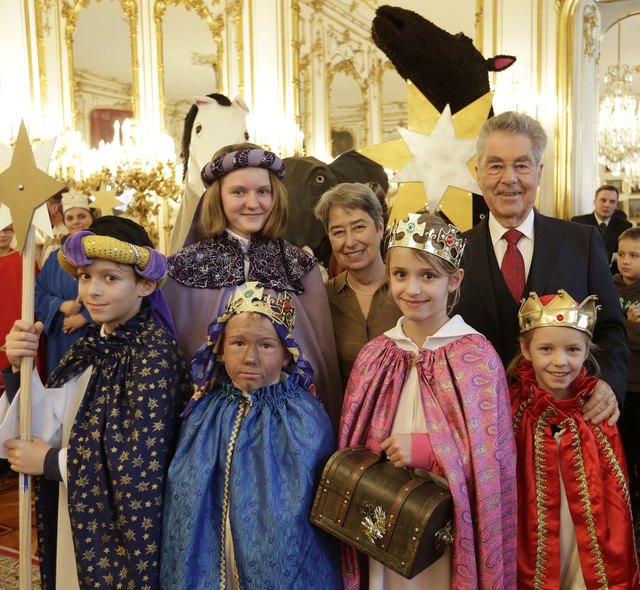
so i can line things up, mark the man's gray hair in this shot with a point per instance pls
(514, 124)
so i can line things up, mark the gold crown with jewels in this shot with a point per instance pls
(558, 310)
(251, 298)
(414, 232)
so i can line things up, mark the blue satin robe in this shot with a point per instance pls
(281, 448)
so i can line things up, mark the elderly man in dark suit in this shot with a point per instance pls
(603, 217)
(549, 254)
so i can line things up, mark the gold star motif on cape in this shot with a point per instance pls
(105, 199)
(24, 187)
(425, 120)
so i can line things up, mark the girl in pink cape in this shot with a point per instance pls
(431, 393)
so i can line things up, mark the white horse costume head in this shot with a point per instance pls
(212, 122)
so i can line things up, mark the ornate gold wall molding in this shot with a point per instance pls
(590, 22)
(566, 14)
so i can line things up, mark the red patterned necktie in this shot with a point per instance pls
(513, 264)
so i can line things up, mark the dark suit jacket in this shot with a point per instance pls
(566, 256)
(615, 227)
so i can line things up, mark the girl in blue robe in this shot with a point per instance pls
(249, 458)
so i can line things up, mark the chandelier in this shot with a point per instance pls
(619, 122)
(139, 164)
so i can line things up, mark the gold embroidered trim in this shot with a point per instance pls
(225, 498)
(517, 417)
(583, 492)
(541, 496)
(619, 475)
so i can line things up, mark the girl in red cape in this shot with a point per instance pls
(575, 528)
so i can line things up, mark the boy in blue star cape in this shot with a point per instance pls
(103, 428)
(249, 457)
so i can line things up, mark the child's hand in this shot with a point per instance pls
(22, 341)
(70, 307)
(601, 405)
(633, 313)
(27, 456)
(398, 449)
(73, 322)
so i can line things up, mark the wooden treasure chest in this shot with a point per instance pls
(394, 515)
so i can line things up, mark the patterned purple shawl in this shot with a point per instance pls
(468, 417)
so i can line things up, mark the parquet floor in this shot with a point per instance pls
(9, 535)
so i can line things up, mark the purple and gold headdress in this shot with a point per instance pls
(82, 247)
(205, 368)
(244, 158)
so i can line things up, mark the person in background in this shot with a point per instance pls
(237, 238)
(609, 225)
(361, 305)
(57, 304)
(575, 528)
(628, 286)
(45, 244)
(516, 250)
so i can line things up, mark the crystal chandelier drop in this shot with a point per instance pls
(619, 121)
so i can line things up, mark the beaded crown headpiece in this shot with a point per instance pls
(558, 310)
(415, 232)
(251, 298)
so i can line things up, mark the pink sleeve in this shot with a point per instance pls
(422, 451)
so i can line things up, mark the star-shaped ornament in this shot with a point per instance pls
(24, 187)
(105, 199)
(439, 160)
(409, 152)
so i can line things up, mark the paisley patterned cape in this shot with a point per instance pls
(263, 481)
(117, 455)
(594, 475)
(466, 409)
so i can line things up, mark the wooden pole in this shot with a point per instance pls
(26, 370)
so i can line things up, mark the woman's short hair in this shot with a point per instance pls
(349, 195)
(213, 221)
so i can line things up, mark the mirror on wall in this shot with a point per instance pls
(347, 115)
(102, 70)
(190, 68)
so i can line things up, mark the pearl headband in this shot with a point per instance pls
(245, 158)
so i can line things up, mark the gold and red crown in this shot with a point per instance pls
(251, 298)
(558, 310)
(414, 232)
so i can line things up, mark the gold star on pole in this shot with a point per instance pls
(455, 203)
(24, 187)
(105, 199)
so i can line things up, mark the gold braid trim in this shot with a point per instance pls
(517, 417)
(619, 475)
(583, 492)
(541, 498)
(109, 248)
(225, 497)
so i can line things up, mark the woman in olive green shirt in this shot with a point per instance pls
(361, 306)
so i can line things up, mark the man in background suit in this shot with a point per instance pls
(553, 254)
(609, 225)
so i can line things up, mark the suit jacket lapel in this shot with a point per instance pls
(546, 251)
(478, 270)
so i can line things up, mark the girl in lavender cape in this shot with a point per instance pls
(237, 237)
(431, 393)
